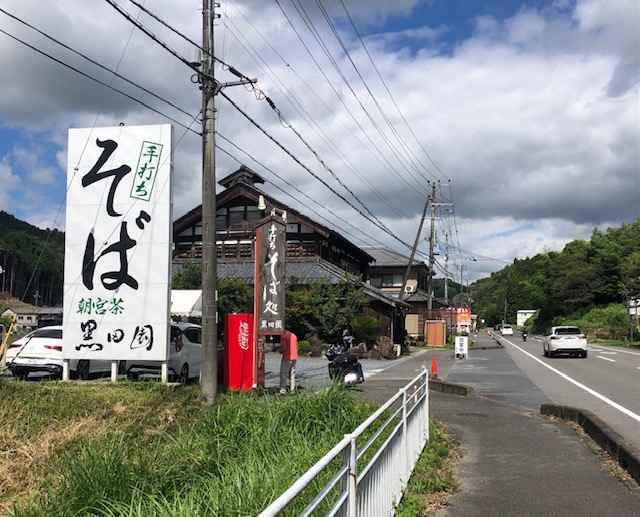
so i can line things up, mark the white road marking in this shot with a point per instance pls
(600, 349)
(606, 400)
(606, 359)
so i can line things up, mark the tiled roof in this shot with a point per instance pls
(303, 271)
(384, 256)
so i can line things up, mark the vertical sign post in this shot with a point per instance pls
(462, 347)
(118, 244)
(271, 249)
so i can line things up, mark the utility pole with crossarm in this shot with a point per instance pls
(210, 87)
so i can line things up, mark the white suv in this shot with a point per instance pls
(506, 330)
(565, 340)
(185, 355)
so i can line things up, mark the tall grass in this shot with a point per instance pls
(156, 452)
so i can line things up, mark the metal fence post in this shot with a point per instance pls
(353, 475)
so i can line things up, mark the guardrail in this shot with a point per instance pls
(369, 469)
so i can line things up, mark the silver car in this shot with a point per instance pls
(565, 340)
(185, 355)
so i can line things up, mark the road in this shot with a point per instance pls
(607, 382)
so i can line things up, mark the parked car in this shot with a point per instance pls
(506, 330)
(565, 340)
(185, 355)
(41, 351)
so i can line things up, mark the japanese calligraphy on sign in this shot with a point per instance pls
(271, 240)
(118, 243)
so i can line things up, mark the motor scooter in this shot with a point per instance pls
(344, 366)
(524, 335)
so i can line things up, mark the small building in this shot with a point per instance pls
(26, 317)
(387, 273)
(523, 315)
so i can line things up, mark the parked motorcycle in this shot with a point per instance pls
(344, 366)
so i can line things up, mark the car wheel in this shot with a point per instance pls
(544, 352)
(183, 378)
(584, 354)
(551, 354)
(82, 370)
(20, 374)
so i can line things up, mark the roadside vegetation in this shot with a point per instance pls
(588, 284)
(142, 449)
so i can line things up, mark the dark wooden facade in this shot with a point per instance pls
(237, 214)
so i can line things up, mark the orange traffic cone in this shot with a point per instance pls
(434, 368)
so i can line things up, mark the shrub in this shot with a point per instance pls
(367, 329)
(304, 348)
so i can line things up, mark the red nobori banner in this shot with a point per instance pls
(271, 244)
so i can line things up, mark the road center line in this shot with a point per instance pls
(606, 400)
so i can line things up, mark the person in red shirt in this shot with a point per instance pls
(289, 351)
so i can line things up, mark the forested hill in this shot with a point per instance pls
(567, 284)
(32, 261)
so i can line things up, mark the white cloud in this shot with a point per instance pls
(534, 119)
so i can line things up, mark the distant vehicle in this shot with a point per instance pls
(41, 351)
(185, 355)
(496, 327)
(506, 330)
(565, 340)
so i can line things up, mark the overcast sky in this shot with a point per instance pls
(524, 114)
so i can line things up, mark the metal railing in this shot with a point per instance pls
(376, 460)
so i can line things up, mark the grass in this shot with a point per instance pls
(141, 449)
(432, 481)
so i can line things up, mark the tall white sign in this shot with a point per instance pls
(118, 243)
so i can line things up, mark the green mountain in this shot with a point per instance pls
(565, 285)
(32, 262)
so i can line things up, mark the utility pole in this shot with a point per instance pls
(446, 269)
(432, 239)
(209, 376)
(413, 250)
(210, 88)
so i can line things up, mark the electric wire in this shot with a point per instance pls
(92, 61)
(98, 81)
(297, 106)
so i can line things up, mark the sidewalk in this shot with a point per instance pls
(516, 462)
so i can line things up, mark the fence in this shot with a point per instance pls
(376, 460)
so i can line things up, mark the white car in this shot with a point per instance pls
(185, 355)
(565, 340)
(41, 351)
(506, 330)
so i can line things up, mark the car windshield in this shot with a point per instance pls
(567, 331)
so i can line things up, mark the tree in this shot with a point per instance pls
(190, 277)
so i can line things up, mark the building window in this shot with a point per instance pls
(253, 216)
(221, 219)
(387, 280)
(236, 217)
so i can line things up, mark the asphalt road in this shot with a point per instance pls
(607, 382)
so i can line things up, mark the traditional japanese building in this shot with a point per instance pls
(314, 252)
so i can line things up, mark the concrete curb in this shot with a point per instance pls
(627, 456)
(449, 387)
